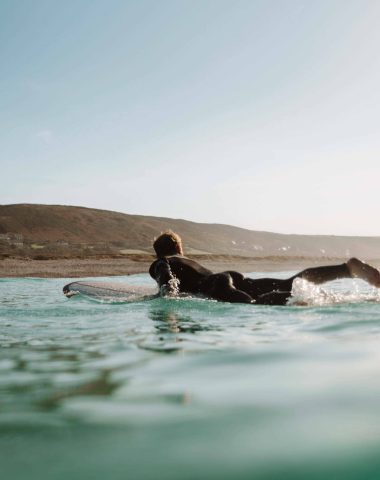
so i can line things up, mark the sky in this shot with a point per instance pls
(259, 114)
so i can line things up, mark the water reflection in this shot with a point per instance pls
(176, 328)
(168, 320)
(101, 386)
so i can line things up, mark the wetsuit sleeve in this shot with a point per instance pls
(160, 271)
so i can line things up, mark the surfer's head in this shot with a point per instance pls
(168, 243)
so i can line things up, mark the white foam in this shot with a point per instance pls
(306, 293)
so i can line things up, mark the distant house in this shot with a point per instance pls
(16, 239)
(62, 243)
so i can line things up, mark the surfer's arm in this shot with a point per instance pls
(160, 271)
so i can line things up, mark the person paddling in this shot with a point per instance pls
(175, 273)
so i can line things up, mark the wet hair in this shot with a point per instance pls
(168, 243)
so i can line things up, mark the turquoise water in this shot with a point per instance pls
(188, 388)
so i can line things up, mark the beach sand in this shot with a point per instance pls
(101, 267)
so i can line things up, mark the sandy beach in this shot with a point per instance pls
(76, 268)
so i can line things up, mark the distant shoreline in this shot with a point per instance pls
(99, 267)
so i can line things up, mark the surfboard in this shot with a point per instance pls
(117, 291)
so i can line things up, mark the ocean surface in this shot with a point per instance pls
(188, 388)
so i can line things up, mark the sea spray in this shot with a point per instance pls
(171, 289)
(305, 293)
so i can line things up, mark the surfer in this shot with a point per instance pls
(176, 273)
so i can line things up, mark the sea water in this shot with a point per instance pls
(189, 388)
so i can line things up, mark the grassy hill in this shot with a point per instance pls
(31, 230)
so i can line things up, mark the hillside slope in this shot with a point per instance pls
(66, 225)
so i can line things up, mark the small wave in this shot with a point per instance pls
(305, 293)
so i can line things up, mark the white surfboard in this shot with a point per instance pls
(111, 290)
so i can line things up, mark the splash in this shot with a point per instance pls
(171, 289)
(305, 293)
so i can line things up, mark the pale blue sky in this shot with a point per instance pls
(260, 114)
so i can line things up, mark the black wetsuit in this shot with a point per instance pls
(227, 286)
